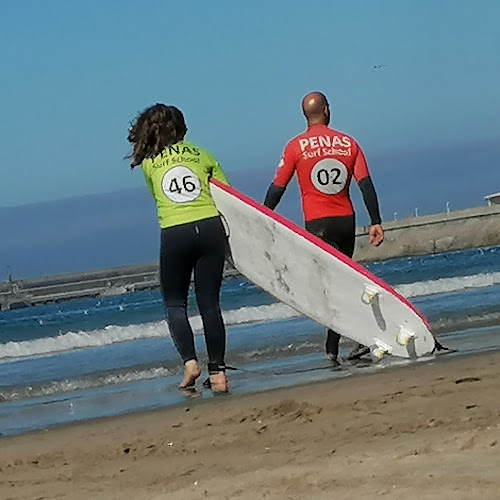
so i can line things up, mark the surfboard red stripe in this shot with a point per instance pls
(321, 244)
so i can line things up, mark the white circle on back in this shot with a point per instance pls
(181, 185)
(329, 176)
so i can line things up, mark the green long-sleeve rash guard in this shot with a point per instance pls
(178, 179)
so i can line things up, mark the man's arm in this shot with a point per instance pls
(284, 174)
(273, 196)
(375, 233)
(370, 198)
(365, 183)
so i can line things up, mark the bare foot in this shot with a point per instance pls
(191, 373)
(218, 382)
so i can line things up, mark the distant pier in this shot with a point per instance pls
(22, 293)
(457, 230)
(103, 283)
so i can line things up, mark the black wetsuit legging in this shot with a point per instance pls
(340, 233)
(198, 246)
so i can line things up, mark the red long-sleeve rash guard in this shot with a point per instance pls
(325, 160)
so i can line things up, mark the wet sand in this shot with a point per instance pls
(425, 431)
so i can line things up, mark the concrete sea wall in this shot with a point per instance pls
(445, 232)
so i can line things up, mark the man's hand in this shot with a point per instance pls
(376, 235)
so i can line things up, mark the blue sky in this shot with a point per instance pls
(75, 73)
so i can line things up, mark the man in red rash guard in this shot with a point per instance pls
(325, 161)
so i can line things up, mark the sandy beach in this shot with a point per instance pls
(425, 431)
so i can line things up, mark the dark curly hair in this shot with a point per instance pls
(153, 130)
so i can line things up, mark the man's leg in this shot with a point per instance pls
(346, 246)
(321, 229)
(339, 232)
(332, 345)
(358, 351)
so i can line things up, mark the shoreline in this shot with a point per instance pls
(153, 385)
(425, 430)
(195, 401)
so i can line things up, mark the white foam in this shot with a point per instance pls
(62, 386)
(76, 340)
(274, 312)
(113, 334)
(448, 285)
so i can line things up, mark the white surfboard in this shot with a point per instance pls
(302, 271)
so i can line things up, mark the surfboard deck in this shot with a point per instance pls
(307, 274)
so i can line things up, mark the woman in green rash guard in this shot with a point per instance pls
(192, 235)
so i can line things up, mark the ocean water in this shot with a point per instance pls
(78, 360)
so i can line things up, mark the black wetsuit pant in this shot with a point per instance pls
(198, 246)
(340, 233)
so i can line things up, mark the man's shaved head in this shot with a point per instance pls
(315, 108)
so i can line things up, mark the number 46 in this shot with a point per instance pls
(187, 185)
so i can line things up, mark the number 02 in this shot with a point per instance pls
(323, 176)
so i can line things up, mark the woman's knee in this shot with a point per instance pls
(208, 301)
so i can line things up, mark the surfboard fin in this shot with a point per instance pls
(404, 336)
(380, 349)
(369, 294)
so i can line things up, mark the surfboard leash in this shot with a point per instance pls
(207, 384)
